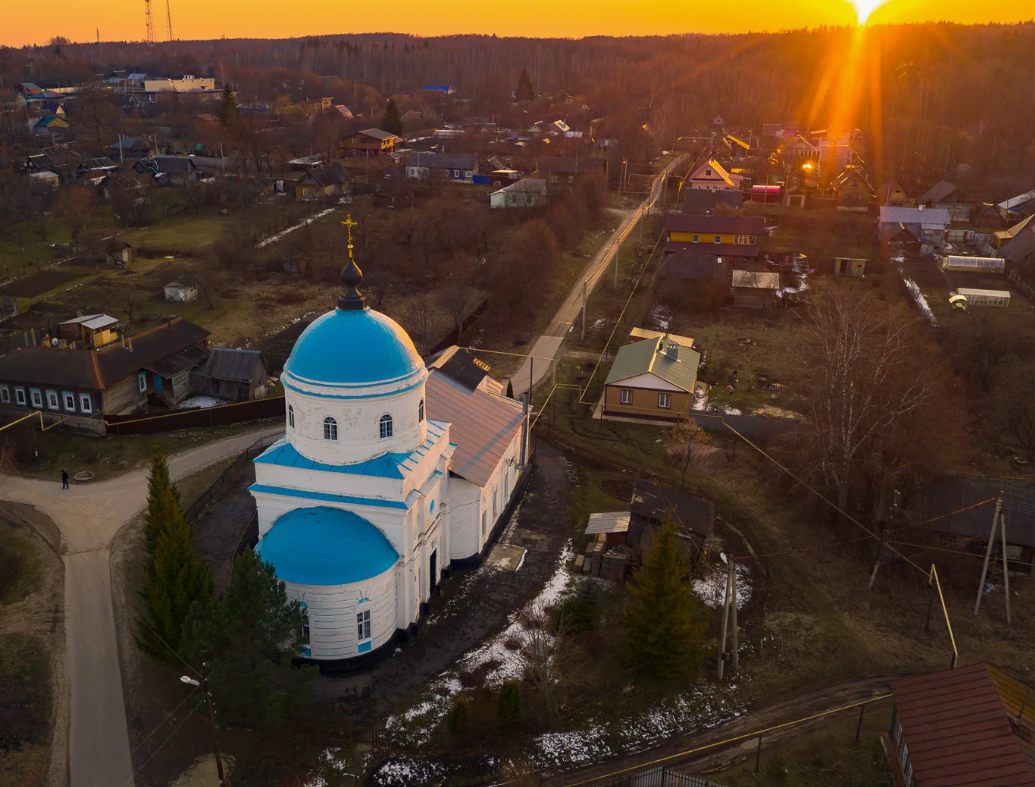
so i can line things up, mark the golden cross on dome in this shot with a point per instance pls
(350, 224)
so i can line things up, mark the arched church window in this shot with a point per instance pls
(330, 429)
(386, 426)
(291, 416)
(420, 411)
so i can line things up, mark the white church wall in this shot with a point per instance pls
(332, 612)
(464, 517)
(358, 422)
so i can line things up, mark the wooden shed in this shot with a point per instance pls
(234, 375)
(614, 525)
(652, 504)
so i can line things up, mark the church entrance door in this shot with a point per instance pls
(433, 571)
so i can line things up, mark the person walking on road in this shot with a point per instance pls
(64, 479)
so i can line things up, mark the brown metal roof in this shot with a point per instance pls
(481, 425)
(715, 225)
(962, 729)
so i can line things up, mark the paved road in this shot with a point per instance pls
(88, 517)
(536, 367)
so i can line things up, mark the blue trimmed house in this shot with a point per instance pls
(354, 503)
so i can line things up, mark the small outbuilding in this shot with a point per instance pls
(614, 525)
(651, 505)
(234, 375)
(182, 290)
(849, 266)
(985, 297)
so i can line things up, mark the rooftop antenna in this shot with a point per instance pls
(150, 26)
(169, 18)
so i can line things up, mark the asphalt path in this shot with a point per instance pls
(88, 516)
(539, 362)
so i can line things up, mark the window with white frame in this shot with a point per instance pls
(19, 395)
(420, 412)
(718, 239)
(52, 400)
(363, 625)
(85, 403)
(142, 382)
(330, 429)
(626, 396)
(696, 239)
(5, 394)
(386, 426)
(665, 401)
(291, 416)
(69, 398)
(37, 397)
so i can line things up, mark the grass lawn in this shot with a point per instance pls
(183, 232)
(112, 455)
(23, 252)
(19, 565)
(820, 755)
(820, 234)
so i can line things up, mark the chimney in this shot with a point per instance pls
(673, 351)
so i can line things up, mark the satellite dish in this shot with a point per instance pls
(53, 342)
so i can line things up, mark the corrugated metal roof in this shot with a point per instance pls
(655, 502)
(937, 193)
(651, 356)
(961, 728)
(92, 321)
(608, 522)
(465, 161)
(225, 363)
(889, 214)
(482, 426)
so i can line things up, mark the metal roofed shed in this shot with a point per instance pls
(652, 504)
(977, 297)
(973, 725)
(612, 524)
(982, 264)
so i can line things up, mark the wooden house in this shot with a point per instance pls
(723, 236)
(370, 142)
(852, 189)
(652, 379)
(90, 330)
(712, 176)
(891, 193)
(321, 182)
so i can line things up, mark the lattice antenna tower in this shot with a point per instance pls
(150, 25)
(169, 18)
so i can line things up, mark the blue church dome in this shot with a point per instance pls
(326, 546)
(353, 347)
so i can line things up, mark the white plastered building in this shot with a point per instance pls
(374, 492)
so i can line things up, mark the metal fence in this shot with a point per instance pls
(236, 412)
(658, 776)
(228, 476)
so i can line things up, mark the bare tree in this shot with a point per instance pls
(419, 312)
(458, 292)
(873, 392)
(78, 207)
(685, 443)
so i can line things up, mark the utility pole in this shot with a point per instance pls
(725, 621)
(223, 781)
(988, 552)
(1006, 567)
(169, 18)
(585, 289)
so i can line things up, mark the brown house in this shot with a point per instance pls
(652, 379)
(234, 375)
(321, 182)
(370, 141)
(974, 725)
(720, 236)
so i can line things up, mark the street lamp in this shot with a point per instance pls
(223, 781)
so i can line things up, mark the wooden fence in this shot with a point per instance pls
(238, 412)
(193, 512)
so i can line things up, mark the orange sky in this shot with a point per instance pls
(124, 19)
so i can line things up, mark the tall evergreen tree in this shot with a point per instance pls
(525, 91)
(392, 121)
(250, 636)
(176, 579)
(662, 628)
(229, 109)
(158, 482)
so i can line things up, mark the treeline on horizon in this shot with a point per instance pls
(930, 97)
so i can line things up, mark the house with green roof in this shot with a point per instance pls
(653, 379)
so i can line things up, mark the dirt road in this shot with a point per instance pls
(538, 363)
(797, 706)
(88, 516)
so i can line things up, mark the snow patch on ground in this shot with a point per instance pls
(274, 238)
(920, 301)
(712, 588)
(199, 402)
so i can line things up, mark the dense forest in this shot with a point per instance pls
(930, 97)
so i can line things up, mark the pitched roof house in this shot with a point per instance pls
(114, 379)
(712, 176)
(524, 193)
(942, 193)
(652, 379)
(973, 725)
(725, 236)
(232, 374)
(454, 166)
(321, 182)
(891, 193)
(706, 200)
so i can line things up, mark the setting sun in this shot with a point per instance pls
(863, 9)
